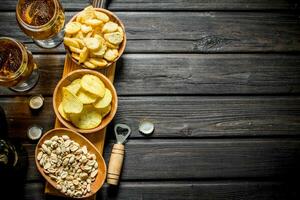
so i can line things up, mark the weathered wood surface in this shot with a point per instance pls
(190, 190)
(10, 5)
(180, 117)
(166, 74)
(202, 5)
(219, 134)
(163, 159)
(133, 5)
(197, 31)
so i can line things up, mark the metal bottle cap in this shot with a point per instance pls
(36, 102)
(146, 127)
(34, 132)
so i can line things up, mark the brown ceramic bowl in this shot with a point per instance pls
(57, 99)
(113, 18)
(81, 140)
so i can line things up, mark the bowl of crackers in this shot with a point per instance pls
(85, 101)
(95, 38)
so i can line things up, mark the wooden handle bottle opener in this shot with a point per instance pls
(122, 131)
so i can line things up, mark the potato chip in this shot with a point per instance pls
(105, 111)
(76, 81)
(90, 65)
(80, 42)
(111, 46)
(83, 55)
(75, 56)
(75, 50)
(79, 17)
(79, 35)
(62, 113)
(85, 28)
(71, 103)
(105, 101)
(99, 62)
(102, 16)
(114, 38)
(111, 54)
(99, 53)
(92, 44)
(89, 34)
(87, 13)
(71, 42)
(109, 27)
(120, 30)
(72, 27)
(89, 118)
(93, 22)
(68, 35)
(100, 38)
(86, 97)
(74, 87)
(93, 85)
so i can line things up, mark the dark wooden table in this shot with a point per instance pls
(221, 82)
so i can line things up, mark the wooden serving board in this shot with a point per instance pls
(97, 138)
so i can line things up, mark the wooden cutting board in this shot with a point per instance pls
(97, 138)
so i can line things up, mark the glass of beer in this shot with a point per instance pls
(42, 20)
(17, 68)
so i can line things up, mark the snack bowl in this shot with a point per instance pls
(112, 18)
(82, 141)
(67, 80)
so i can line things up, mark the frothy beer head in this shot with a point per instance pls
(10, 57)
(37, 12)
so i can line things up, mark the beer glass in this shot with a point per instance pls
(17, 68)
(42, 20)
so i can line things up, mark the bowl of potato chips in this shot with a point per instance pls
(85, 101)
(95, 38)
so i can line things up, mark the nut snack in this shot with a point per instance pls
(70, 165)
(93, 38)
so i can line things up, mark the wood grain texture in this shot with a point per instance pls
(197, 31)
(10, 5)
(169, 74)
(208, 74)
(202, 5)
(193, 5)
(163, 159)
(179, 117)
(190, 190)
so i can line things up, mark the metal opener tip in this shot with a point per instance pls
(122, 132)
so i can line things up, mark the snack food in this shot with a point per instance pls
(70, 165)
(93, 38)
(85, 102)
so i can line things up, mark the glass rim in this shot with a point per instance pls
(34, 28)
(21, 68)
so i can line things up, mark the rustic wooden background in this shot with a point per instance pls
(221, 81)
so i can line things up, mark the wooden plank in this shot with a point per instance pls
(179, 117)
(190, 190)
(197, 31)
(97, 138)
(177, 159)
(156, 74)
(194, 5)
(208, 74)
(10, 5)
